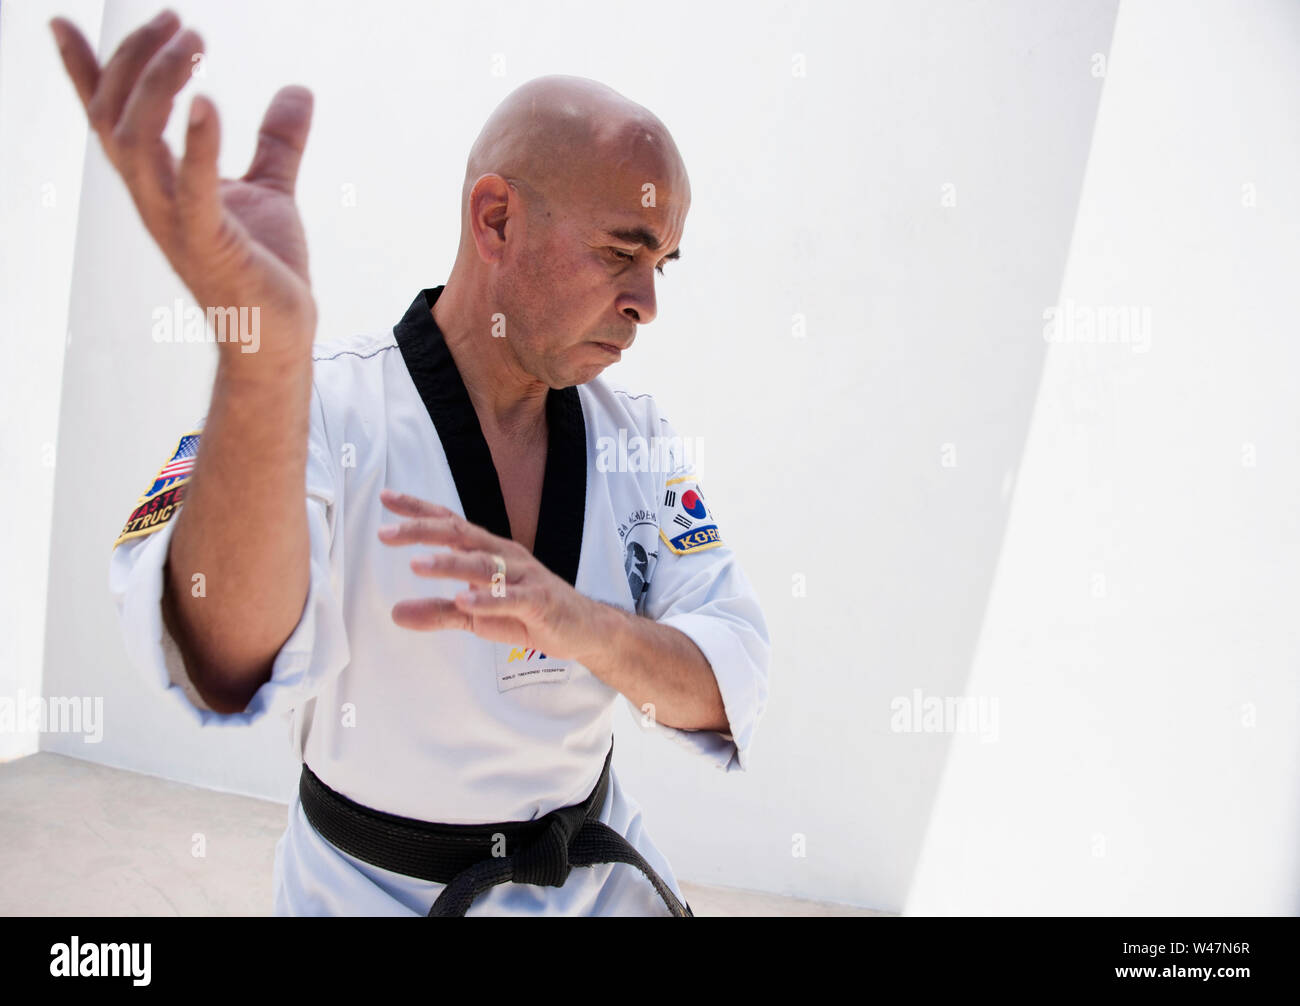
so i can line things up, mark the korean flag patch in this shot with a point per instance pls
(686, 522)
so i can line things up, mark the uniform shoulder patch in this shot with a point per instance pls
(165, 494)
(686, 522)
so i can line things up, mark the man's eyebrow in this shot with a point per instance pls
(641, 236)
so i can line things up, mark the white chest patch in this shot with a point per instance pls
(522, 665)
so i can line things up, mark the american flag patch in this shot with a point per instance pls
(180, 466)
(164, 498)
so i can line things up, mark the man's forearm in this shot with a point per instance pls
(243, 526)
(657, 665)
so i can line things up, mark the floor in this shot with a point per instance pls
(78, 838)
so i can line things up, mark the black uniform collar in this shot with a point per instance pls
(558, 544)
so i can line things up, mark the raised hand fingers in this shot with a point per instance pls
(78, 59)
(281, 139)
(139, 130)
(198, 185)
(121, 72)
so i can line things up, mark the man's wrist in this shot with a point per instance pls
(603, 636)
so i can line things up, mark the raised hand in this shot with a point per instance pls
(234, 242)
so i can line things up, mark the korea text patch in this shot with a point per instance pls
(686, 523)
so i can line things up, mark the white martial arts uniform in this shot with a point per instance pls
(442, 726)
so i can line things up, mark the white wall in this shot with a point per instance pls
(1141, 638)
(816, 195)
(823, 198)
(38, 206)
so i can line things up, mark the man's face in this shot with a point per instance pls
(586, 275)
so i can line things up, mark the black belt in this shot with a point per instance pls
(471, 858)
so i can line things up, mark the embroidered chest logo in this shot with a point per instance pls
(687, 525)
(523, 665)
(639, 534)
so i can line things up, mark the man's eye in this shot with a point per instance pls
(627, 257)
(623, 255)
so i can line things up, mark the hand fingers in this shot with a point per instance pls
(149, 105)
(472, 567)
(281, 139)
(431, 613)
(480, 602)
(121, 72)
(78, 59)
(139, 131)
(411, 506)
(198, 185)
(453, 531)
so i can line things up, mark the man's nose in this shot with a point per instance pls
(639, 304)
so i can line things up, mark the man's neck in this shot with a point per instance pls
(509, 401)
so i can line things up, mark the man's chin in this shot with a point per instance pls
(585, 372)
(588, 374)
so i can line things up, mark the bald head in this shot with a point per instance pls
(574, 200)
(552, 135)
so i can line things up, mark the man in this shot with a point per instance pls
(452, 708)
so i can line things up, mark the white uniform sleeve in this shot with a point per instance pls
(699, 588)
(315, 651)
